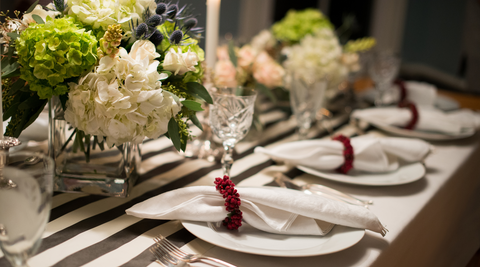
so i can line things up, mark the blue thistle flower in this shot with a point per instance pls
(156, 38)
(161, 8)
(176, 37)
(141, 30)
(172, 11)
(190, 23)
(154, 20)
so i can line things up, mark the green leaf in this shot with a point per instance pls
(231, 53)
(265, 90)
(15, 35)
(184, 143)
(199, 91)
(193, 105)
(9, 69)
(32, 7)
(15, 73)
(19, 84)
(174, 133)
(196, 122)
(35, 115)
(38, 19)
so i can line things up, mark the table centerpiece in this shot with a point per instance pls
(113, 74)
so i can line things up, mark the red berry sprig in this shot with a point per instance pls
(413, 109)
(347, 153)
(232, 202)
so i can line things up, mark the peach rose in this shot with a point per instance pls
(246, 56)
(225, 74)
(267, 71)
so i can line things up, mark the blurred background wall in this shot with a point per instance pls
(438, 40)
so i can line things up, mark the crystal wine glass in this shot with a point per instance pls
(383, 68)
(231, 116)
(25, 206)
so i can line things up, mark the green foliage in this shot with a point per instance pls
(53, 52)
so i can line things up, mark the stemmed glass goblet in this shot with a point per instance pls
(231, 116)
(383, 68)
(25, 207)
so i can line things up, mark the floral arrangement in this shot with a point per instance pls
(123, 70)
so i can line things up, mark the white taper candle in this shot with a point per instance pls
(213, 18)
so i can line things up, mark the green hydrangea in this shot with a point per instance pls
(52, 52)
(296, 24)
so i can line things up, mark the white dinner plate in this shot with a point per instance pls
(253, 241)
(432, 136)
(403, 175)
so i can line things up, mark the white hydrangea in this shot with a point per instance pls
(317, 56)
(122, 99)
(101, 13)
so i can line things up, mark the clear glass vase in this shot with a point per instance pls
(87, 164)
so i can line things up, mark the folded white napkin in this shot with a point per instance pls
(271, 209)
(371, 154)
(429, 119)
(420, 93)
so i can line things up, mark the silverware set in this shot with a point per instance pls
(168, 254)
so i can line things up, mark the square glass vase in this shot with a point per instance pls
(86, 164)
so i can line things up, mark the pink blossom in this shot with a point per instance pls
(225, 74)
(267, 71)
(246, 56)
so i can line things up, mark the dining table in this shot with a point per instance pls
(432, 221)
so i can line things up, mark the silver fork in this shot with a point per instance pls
(164, 246)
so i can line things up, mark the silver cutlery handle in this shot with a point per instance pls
(208, 259)
(328, 190)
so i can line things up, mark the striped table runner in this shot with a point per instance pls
(88, 230)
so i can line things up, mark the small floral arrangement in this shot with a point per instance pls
(123, 70)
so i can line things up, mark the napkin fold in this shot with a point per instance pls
(419, 93)
(429, 119)
(270, 209)
(371, 154)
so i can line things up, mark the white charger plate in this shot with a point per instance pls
(253, 241)
(404, 174)
(422, 135)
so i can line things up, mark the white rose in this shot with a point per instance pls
(179, 62)
(38, 10)
(142, 49)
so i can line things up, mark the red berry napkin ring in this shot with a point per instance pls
(413, 109)
(347, 153)
(232, 202)
(403, 90)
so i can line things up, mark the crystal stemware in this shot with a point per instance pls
(25, 207)
(231, 116)
(383, 68)
(306, 99)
